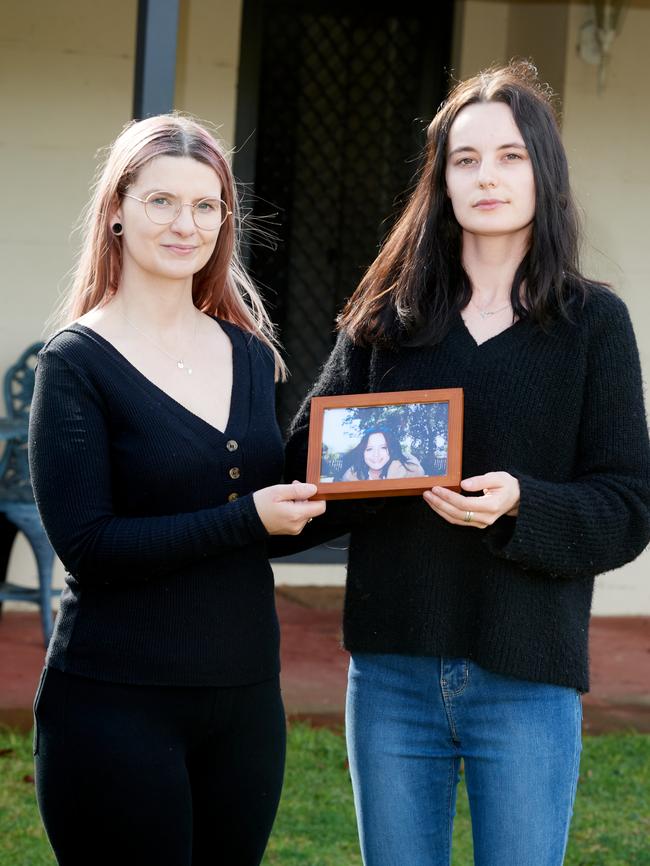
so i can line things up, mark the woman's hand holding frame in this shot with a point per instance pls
(500, 496)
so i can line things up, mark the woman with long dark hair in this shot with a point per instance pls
(379, 455)
(155, 455)
(466, 613)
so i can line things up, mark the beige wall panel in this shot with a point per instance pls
(208, 61)
(66, 83)
(607, 136)
(484, 36)
(66, 73)
(488, 32)
(539, 31)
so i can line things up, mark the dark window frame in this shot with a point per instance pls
(434, 75)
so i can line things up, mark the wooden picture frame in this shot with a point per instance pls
(406, 442)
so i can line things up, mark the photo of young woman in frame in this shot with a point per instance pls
(384, 442)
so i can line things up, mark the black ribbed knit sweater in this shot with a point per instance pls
(169, 581)
(562, 412)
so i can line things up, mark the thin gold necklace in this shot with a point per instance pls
(486, 314)
(181, 362)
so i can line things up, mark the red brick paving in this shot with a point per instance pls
(619, 698)
(314, 666)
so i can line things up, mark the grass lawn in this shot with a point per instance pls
(315, 824)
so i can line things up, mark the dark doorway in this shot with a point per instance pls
(334, 99)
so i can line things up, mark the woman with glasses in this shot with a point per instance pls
(155, 456)
(467, 612)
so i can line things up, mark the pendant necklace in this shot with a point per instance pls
(486, 314)
(180, 362)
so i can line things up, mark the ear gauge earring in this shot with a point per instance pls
(117, 229)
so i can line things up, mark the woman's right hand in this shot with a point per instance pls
(284, 509)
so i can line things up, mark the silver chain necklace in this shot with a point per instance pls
(180, 362)
(486, 314)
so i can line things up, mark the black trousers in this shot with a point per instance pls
(167, 776)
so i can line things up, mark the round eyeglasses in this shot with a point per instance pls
(162, 208)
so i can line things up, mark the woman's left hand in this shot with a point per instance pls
(500, 496)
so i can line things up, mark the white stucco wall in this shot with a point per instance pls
(484, 37)
(66, 86)
(607, 137)
(66, 73)
(208, 61)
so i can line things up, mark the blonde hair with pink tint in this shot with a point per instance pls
(222, 287)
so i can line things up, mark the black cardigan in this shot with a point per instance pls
(150, 509)
(561, 411)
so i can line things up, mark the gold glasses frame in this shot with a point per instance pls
(181, 205)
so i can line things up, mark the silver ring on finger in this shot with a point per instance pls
(468, 516)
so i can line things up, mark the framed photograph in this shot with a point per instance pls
(398, 443)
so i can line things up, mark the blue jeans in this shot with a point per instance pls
(410, 720)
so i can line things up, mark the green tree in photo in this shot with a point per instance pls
(422, 428)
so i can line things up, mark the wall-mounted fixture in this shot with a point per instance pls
(598, 33)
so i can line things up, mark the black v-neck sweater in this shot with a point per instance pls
(150, 509)
(561, 411)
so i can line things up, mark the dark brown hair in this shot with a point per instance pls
(355, 459)
(417, 283)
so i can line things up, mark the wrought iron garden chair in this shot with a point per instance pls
(17, 507)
